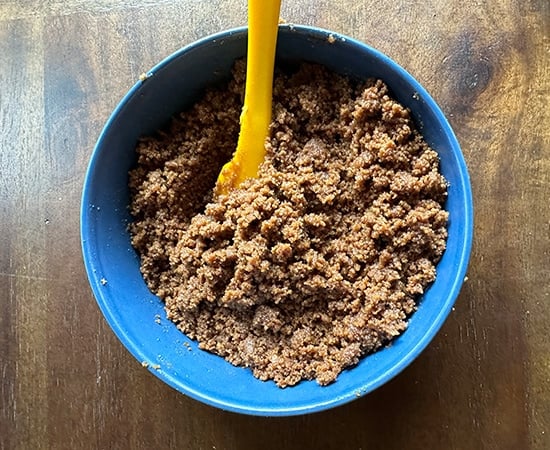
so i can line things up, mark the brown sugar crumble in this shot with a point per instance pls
(318, 261)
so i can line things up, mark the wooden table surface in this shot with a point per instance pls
(67, 382)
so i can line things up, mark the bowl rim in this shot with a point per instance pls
(421, 344)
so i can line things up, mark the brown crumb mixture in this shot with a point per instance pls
(316, 262)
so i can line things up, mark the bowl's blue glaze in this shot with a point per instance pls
(113, 266)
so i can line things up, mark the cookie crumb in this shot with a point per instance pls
(315, 263)
(103, 281)
(331, 39)
(145, 364)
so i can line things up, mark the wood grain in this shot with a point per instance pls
(66, 382)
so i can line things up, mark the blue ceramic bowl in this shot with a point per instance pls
(113, 266)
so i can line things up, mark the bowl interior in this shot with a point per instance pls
(113, 266)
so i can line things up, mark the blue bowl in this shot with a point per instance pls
(112, 265)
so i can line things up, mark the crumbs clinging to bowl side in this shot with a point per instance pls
(319, 260)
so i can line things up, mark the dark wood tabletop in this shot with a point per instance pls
(68, 383)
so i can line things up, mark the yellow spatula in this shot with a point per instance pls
(263, 20)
